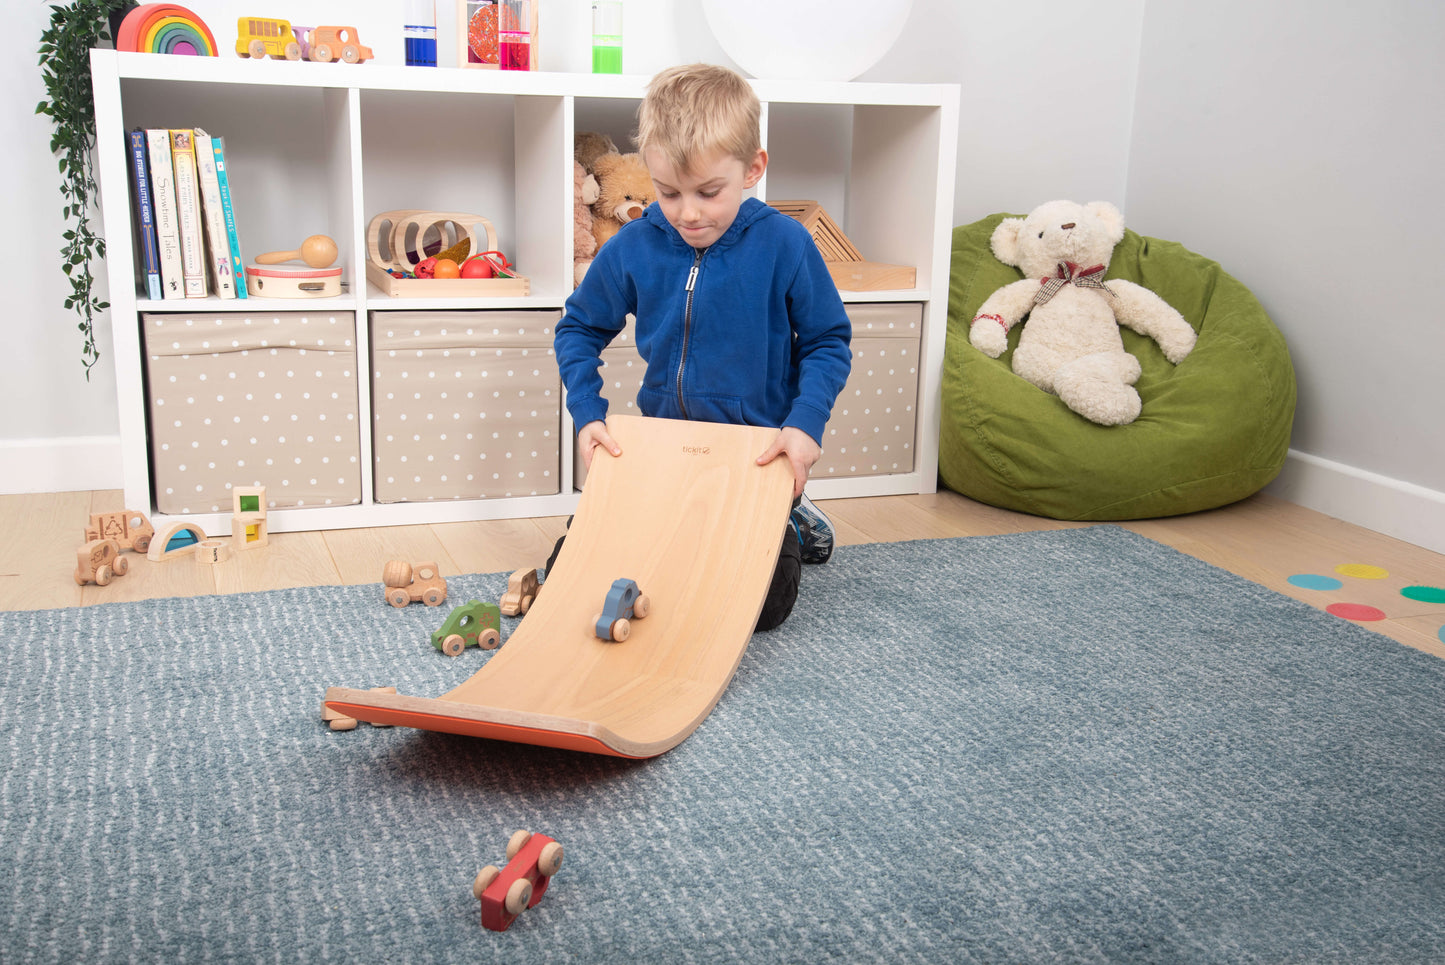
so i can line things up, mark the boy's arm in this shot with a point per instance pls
(821, 331)
(594, 315)
(821, 335)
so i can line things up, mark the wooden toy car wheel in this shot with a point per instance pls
(518, 896)
(517, 842)
(484, 880)
(321, 53)
(489, 639)
(350, 54)
(642, 606)
(397, 597)
(121, 566)
(142, 544)
(621, 629)
(453, 645)
(256, 49)
(293, 51)
(550, 861)
(433, 597)
(102, 575)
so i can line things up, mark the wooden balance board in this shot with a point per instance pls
(687, 513)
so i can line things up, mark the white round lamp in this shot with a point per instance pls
(806, 39)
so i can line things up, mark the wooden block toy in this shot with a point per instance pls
(212, 551)
(532, 860)
(407, 584)
(473, 624)
(177, 539)
(248, 517)
(339, 721)
(98, 561)
(131, 531)
(846, 264)
(623, 604)
(522, 589)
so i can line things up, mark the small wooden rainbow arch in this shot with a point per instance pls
(165, 28)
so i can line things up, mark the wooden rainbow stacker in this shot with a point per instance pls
(687, 513)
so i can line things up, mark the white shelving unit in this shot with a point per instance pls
(321, 148)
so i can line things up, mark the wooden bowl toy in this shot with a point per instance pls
(399, 244)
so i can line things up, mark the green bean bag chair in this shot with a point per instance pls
(1213, 429)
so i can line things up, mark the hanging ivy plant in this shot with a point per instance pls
(65, 65)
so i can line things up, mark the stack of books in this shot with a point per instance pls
(187, 226)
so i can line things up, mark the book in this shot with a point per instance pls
(188, 212)
(145, 222)
(218, 145)
(217, 244)
(163, 200)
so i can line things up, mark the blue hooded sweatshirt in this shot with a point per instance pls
(748, 331)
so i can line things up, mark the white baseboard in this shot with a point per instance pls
(60, 465)
(1400, 509)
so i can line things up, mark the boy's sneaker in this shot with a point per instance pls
(815, 531)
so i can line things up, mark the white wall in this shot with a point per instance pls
(1319, 119)
(1300, 143)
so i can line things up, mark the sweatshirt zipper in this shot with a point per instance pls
(687, 326)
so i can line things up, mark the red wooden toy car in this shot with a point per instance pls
(532, 860)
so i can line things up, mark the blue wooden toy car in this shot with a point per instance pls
(624, 603)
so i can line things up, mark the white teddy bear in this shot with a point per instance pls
(1071, 345)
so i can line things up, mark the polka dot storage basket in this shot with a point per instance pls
(870, 432)
(466, 405)
(871, 429)
(253, 398)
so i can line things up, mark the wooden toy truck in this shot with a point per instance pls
(98, 561)
(261, 37)
(337, 43)
(407, 584)
(532, 860)
(131, 531)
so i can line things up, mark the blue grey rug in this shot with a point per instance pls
(1074, 746)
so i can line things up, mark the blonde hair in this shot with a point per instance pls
(692, 111)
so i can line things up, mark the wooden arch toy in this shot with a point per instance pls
(157, 552)
(685, 510)
(165, 28)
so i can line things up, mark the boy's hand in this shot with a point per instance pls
(801, 451)
(593, 435)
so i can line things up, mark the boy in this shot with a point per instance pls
(737, 316)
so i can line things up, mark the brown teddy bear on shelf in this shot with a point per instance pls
(584, 243)
(625, 192)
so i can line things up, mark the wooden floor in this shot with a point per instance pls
(1263, 539)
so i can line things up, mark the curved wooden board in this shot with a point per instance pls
(687, 513)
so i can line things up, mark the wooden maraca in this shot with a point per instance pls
(318, 251)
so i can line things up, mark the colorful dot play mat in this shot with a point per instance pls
(1363, 612)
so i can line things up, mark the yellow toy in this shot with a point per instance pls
(261, 37)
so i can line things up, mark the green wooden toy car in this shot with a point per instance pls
(473, 624)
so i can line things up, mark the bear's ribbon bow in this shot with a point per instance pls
(1070, 274)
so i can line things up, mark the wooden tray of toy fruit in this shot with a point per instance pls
(407, 241)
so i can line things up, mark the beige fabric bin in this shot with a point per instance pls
(871, 430)
(252, 398)
(872, 426)
(466, 405)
